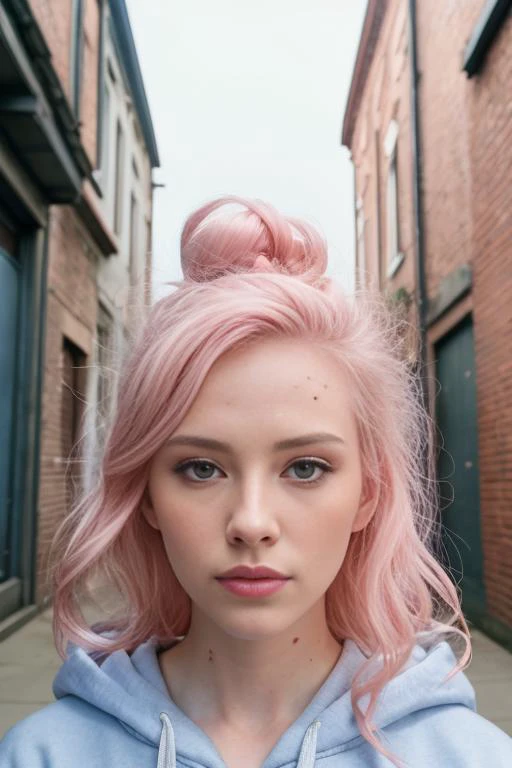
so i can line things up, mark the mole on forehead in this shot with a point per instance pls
(312, 378)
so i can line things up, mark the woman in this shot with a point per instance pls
(264, 509)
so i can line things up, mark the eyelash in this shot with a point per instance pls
(183, 466)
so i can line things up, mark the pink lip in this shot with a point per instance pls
(258, 581)
(248, 572)
(252, 587)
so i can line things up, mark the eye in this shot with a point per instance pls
(201, 470)
(306, 469)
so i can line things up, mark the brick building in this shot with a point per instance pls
(428, 125)
(77, 150)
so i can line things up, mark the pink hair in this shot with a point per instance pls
(250, 274)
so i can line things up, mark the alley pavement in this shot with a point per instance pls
(29, 662)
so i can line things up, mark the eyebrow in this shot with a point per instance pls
(282, 445)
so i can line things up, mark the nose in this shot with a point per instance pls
(252, 519)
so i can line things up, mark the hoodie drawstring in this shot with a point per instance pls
(307, 755)
(167, 746)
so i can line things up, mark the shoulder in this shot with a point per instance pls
(453, 735)
(51, 735)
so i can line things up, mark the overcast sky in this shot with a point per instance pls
(248, 98)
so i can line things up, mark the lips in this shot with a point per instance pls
(254, 572)
(257, 582)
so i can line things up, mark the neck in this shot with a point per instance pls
(217, 678)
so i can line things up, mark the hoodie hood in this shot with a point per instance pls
(131, 689)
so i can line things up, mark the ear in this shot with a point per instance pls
(367, 507)
(148, 510)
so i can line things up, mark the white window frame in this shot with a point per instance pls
(361, 245)
(395, 257)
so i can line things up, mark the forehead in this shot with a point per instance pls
(274, 384)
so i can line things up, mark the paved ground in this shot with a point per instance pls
(28, 663)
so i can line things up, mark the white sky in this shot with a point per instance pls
(248, 98)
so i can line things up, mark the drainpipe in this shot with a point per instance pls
(419, 234)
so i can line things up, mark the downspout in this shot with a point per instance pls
(419, 233)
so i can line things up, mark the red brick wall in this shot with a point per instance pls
(55, 21)
(386, 96)
(71, 311)
(89, 106)
(491, 152)
(466, 132)
(444, 92)
(467, 154)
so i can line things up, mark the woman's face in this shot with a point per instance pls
(263, 470)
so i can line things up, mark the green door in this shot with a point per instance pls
(457, 465)
(9, 309)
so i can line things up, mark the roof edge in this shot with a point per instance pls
(369, 35)
(130, 61)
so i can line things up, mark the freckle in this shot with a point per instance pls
(308, 377)
(311, 659)
(315, 398)
(295, 640)
(210, 654)
(325, 386)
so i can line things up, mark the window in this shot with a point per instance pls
(77, 52)
(105, 135)
(394, 255)
(134, 231)
(104, 362)
(103, 95)
(118, 200)
(73, 383)
(148, 258)
(361, 250)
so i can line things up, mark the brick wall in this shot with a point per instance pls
(71, 313)
(444, 92)
(88, 106)
(491, 153)
(466, 133)
(467, 155)
(55, 21)
(386, 97)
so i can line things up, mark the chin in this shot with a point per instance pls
(258, 626)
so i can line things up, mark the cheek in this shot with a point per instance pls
(187, 538)
(330, 538)
(329, 526)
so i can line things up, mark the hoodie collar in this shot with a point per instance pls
(131, 688)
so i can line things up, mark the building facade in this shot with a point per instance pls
(77, 148)
(428, 126)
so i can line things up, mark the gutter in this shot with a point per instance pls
(419, 230)
(492, 18)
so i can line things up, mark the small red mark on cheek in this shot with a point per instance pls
(295, 640)
(210, 654)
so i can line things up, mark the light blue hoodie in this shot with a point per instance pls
(117, 713)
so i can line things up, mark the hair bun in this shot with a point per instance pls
(218, 239)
